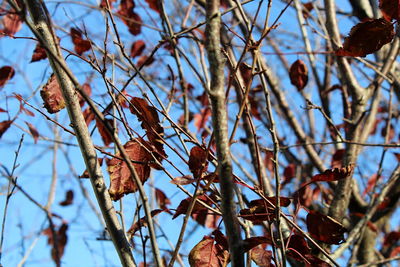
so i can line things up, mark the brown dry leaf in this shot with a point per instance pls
(121, 181)
(367, 37)
(12, 23)
(6, 73)
(57, 250)
(261, 256)
(199, 213)
(260, 210)
(208, 253)
(150, 123)
(33, 131)
(137, 48)
(298, 74)
(200, 119)
(129, 17)
(103, 3)
(52, 96)
(39, 53)
(306, 9)
(4, 125)
(80, 45)
(324, 228)
(153, 4)
(334, 174)
(390, 9)
(162, 199)
(87, 89)
(105, 135)
(69, 198)
(198, 162)
(183, 180)
(141, 223)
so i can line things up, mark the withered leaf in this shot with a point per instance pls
(201, 119)
(52, 96)
(261, 256)
(142, 223)
(87, 89)
(137, 48)
(260, 210)
(39, 53)
(4, 125)
(34, 132)
(105, 135)
(6, 73)
(80, 45)
(129, 17)
(390, 9)
(252, 242)
(150, 123)
(199, 213)
(183, 180)
(121, 181)
(153, 4)
(162, 199)
(298, 74)
(12, 23)
(69, 198)
(58, 247)
(337, 158)
(324, 228)
(367, 37)
(208, 253)
(103, 3)
(334, 174)
(198, 162)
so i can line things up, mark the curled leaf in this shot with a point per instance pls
(4, 125)
(52, 96)
(298, 74)
(121, 181)
(12, 23)
(39, 53)
(80, 45)
(367, 37)
(142, 223)
(33, 131)
(208, 252)
(69, 198)
(6, 73)
(324, 228)
(137, 48)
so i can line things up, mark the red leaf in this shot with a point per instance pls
(153, 4)
(391, 238)
(252, 242)
(370, 184)
(390, 9)
(144, 61)
(80, 45)
(199, 213)
(200, 119)
(103, 3)
(85, 174)
(105, 136)
(52, 96)
(39, 53)
(137, 48)
(334, 174)
(4, 125)
(367, 37)
(208, 253)
(69, 198)
(88, 115)
(121, 181)
(129, 17)
(58, 247)
(183, 180)
(12, 23)
(307, 8)
(289, 173)
(6, 73)
(141, 223)
(150, 123)
(261, 256)
(325, 229)
(298, 74)
(198, 162)
(337, 158)
(259, 210)
(246, 72)
(162, 199)
(269, 164)
(33, 131)
(87, 89)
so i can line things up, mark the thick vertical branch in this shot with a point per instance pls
(43, 31)
(220, 125)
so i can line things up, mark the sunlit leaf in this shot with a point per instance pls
(105, 135)
(208, 253)
(121, 178)
(162, 199)
(12, 23)
(334, 174)
(142, 222)
(34, 132)
(52, 96)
